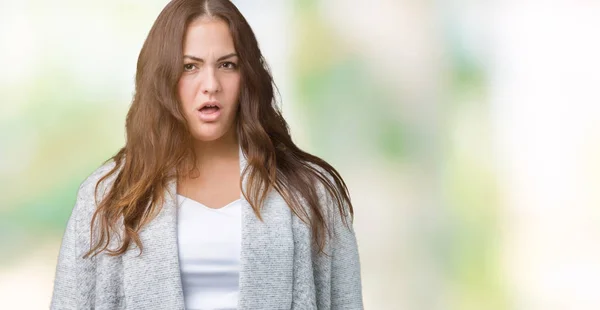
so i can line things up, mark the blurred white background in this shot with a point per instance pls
(468, 133)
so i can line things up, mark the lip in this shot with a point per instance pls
(209, 117)
(216, 103)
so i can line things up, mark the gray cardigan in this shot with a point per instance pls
(280, 268)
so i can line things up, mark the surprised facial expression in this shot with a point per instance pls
(210, 84)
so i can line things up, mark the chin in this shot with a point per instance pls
(209, 133)
(207, 137)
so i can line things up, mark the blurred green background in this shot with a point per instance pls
(467, 131)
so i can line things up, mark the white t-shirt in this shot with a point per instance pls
(209, 243)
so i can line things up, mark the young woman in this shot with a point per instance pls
(209, 205)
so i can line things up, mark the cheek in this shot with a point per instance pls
(185, 90)
(233, 86)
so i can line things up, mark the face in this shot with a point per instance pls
(210, 84)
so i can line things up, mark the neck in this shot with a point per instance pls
(223, 149)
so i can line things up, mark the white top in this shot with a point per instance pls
(209, 243)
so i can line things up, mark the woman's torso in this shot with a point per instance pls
(209, 245)
(209, 234)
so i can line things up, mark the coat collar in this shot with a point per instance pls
(153, 279)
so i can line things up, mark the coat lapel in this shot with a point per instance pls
(153, 281)
(267, 253)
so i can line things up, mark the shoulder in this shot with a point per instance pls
(327, 198)
(86, 195)
(89, 183)
(323, 176)
(320, 170)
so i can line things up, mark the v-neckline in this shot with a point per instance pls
(207, 207)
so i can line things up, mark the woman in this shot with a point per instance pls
(209, 205)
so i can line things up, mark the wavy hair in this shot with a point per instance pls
(158, 145)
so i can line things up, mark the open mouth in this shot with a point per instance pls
(209, 113)
(209, 109)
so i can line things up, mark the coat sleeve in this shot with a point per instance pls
(346, 287)
(75, 276)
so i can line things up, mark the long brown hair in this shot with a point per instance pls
(158, 147)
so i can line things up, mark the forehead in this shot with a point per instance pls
(208, 35)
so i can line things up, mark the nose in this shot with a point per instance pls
(210, 83)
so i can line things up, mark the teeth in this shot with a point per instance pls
(209, 106)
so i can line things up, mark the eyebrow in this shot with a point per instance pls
(202, 60)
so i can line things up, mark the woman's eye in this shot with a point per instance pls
(229, 65)
(188, 67)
